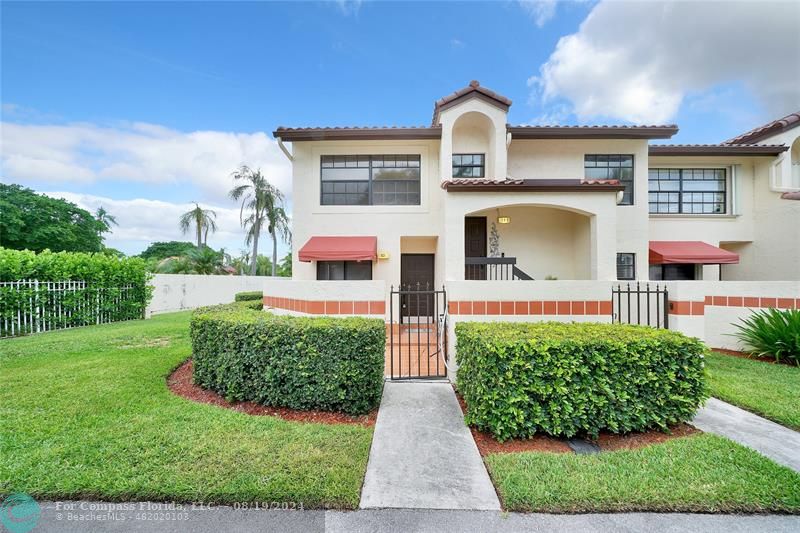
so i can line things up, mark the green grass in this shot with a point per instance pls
(703, 473)
(766, 389)
(86, 413)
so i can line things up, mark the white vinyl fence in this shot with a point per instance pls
(32, 306)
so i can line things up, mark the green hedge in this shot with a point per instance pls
(333, 364)
(248, 295)
(115, 289)
(519, 379)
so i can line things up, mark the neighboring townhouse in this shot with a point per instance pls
(470, 197)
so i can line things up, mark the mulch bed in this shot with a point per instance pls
(542, 443)
(743, 355)
(631, 441)
(180, 383)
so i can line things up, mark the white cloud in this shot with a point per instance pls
(137, 152)
(541, 11)
(143, 221)
(636, 61)
(348, 7)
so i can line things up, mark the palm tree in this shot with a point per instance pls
(205, 260)
(264, 205)
(105, 218)
(202, 219)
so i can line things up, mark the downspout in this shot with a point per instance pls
(285, 150)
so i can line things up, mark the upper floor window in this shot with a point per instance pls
(611, 167)
(469, 165)
(370, 180)
(687, 190)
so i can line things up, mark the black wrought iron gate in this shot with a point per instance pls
(645, 304)
(417, 332)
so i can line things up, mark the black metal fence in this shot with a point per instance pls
(493, 268)
(644, 304)
(417, 332)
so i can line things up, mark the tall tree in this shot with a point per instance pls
(202, 220)
(162, 250)
(278, 225)
(262, 203)
(105, 218)
(37, 222)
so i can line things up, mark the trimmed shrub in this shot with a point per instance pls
(113, 289)
(772, 333)
(248, 295)
(519, 379)
(332, 364)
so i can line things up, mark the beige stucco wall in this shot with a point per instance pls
(598, 208)
(552, 159)
(761, 227)
(570, 235)
(546, 241)
(388, 223)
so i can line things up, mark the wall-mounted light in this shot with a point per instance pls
(503, 220)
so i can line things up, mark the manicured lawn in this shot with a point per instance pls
(86, 413)
(699, 473)
(772, 391)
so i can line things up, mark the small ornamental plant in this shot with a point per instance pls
(773, 333)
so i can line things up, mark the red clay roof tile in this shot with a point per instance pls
(771, 128)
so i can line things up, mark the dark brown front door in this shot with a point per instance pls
(475, 245)
(416, 273)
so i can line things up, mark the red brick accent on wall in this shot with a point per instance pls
(698, 308)
(480, 307)
(332, 307)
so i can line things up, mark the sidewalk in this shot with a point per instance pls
(423, 456)
(779, 443)
(438, 521)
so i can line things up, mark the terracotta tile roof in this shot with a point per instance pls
(776, 126)
(474, 89)
(540, 185)
(483, 181)
(655, 131)
(717, 149)
(354, 133)
(794, 195)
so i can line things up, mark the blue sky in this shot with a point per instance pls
(156, 102)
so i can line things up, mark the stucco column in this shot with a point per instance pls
(453, 241)
(499, 154)
(604, 244)
(446, 151)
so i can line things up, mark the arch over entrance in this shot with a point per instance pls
(546, 241)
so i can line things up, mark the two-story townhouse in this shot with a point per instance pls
(472, 197)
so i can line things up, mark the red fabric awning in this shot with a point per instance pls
(340, 249)
(676, 252)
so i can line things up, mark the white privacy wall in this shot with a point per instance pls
(176, 292)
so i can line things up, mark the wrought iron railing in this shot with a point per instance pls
(493, 268)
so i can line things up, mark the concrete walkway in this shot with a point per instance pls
(55, 519)
(423, 456)
(780, 444)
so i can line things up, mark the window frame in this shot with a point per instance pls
(344, 270)
(625, 182)
(727, 186)
(482, 166)
(632, 265)
(370, 181)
